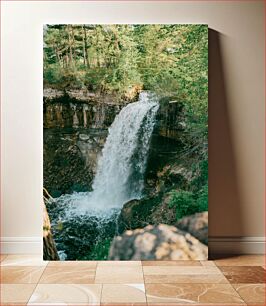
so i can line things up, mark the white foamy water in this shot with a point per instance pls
(121, 166)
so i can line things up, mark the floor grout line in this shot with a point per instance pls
(101, 294)
(237, 292)
(251, 303)
(36, 285)
(144, 283)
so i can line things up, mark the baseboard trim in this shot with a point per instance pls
(21, 245)
(217, 245)
(236, 245)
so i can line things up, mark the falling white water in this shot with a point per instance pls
(121, 166)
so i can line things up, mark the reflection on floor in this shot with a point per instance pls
(27, 280)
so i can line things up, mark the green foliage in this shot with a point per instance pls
(100, 250)
(52, 74)
(187, 203)
(196, 199)
(94, 77)
(168, 59)
(183, 202)
(202, 200)
(200, 171)
(200, 185)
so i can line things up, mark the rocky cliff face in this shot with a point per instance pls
(170, 121)
(81, 109)
(75, 128)
(70, 158)
(77, 110)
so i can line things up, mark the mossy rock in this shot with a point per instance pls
(137, 213)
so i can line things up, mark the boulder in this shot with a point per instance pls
(137, 213)
(196, 225)
(128, 218)
(161, 242)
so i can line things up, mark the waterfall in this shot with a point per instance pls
(121, 166)
(120, 169)
(86, 219)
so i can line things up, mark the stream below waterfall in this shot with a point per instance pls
(84, 223)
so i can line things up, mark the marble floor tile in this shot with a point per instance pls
(21, 274)
(68, 275)
(208, 263)
(24, 260)
(14, 304)
(171, 263)
(66, 294)
(16, 293)
(186, 279)
(119, 274)
(74, 263)
(122, 263)
(184, 270)
(127, 304)
(251, 293)
(192, 293)
(171, 274)
(242, 274)
(243, 260)
(123, 293)
(195, 304)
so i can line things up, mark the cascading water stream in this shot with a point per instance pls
(121, 167)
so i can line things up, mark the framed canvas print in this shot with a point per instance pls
(125, 142)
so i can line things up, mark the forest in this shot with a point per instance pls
(117, 58)
(121, 61)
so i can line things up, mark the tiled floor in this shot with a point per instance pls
(27, 280)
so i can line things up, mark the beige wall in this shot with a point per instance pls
(236, 107)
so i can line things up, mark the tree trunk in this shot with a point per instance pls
(85, 47)
(49, 248)
(57, 55)
(70, 47)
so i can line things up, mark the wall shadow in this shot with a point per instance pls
(224, 196)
